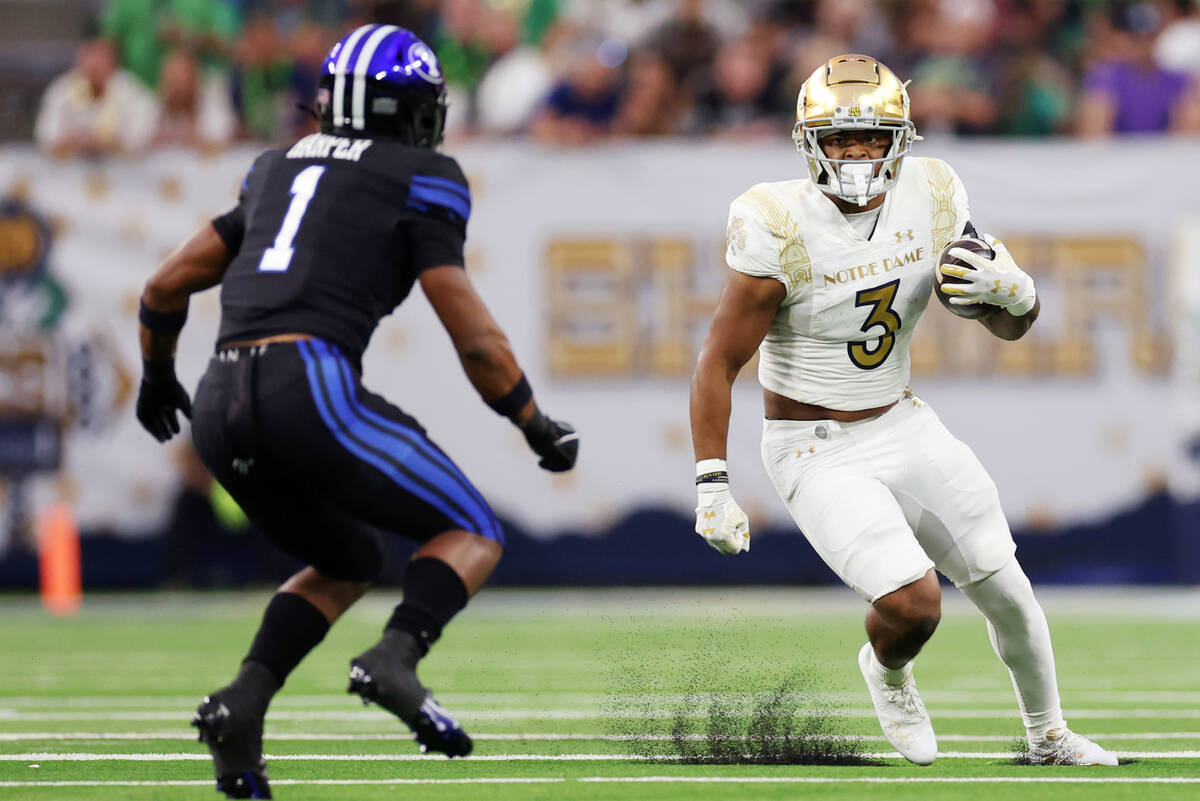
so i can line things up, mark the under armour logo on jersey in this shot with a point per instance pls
(900, 235)
(999, 290)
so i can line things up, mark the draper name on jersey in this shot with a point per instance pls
(319, 146)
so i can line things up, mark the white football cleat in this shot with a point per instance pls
(901, 713)
(1065, 747)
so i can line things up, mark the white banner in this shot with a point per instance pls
(1184, 261)
(603, 265)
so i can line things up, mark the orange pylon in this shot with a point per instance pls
(58, 558)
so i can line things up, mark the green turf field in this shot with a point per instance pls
(594, 695)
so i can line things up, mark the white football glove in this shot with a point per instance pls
(998, 281)
(720, 520)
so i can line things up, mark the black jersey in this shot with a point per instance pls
(331, 233)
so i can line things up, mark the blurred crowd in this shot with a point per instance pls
(206, 73)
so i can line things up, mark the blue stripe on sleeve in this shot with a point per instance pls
(442, 183)
(419, 193)
(347, 437)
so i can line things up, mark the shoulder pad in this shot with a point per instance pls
(764, 239)
(260, 165)
(762, 203)
(438, 187)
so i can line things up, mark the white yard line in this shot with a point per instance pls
(544, 736)
(803, 604)
(644, 780)
(1009, 755)
(283, 782)
(199, 757)
(899, 779)
(590, 700)
(468, 714)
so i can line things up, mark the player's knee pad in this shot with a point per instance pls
(1005, 593)
(1008, 576)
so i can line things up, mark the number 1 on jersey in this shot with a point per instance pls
(278, 257)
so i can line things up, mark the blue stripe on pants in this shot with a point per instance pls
(446, 484)
(347, 438)
(415, 439)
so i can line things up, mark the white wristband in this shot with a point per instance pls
(710, 466)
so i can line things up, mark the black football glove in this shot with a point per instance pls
(557, 443)
(159, 397)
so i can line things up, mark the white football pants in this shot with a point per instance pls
(883, 500)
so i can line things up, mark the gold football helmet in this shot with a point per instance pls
(853, 92)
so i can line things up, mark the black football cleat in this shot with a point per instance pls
(395, 688)
(235, 741)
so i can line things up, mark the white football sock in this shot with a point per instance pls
(1020, 636)
(890, 675)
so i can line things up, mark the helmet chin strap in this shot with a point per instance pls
(859, 177)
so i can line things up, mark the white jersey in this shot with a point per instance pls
(841, 336)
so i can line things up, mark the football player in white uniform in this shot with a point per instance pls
(829, 275)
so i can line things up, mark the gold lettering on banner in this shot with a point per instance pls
(1086, 283)
(626, 306)
(593, 324)
(671, 351)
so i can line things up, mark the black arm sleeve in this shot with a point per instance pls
(969, 230)
(231, 226)
(433, 242)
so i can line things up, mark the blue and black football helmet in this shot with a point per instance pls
(383, 81)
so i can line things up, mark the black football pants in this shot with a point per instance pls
(321, 465)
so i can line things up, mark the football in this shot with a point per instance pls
(973, 311)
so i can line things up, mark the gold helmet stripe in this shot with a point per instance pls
(852, 68)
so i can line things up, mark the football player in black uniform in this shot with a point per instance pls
(328, 236)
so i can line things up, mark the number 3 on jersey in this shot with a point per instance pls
(278, 257)
(880, 300)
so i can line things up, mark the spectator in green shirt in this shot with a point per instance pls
(261, 81)
(145, 30)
